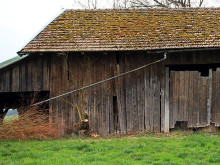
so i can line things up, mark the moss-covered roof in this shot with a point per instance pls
(145, 29)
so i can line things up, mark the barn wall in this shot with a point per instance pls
(31, 74)
(130, 103)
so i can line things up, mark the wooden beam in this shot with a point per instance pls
(167, 102)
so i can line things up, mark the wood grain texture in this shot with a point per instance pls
(31, 74)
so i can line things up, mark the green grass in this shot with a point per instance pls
(197, 148)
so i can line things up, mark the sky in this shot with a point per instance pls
(22, 20)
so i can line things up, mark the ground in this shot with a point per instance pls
(175, 148)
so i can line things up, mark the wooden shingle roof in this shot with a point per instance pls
(145, 29)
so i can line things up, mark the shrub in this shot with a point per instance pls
(32, 124)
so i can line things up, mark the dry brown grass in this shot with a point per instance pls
(33, 124)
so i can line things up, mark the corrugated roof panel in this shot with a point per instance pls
(11, 61)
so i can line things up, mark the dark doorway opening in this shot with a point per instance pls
(202, 68)
(115, 114)
(22, 101)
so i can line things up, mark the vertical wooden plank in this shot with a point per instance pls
(209, 102)
(166, 122)
(171, 99)
(190, 99)
(198, 98)
(157, 95)
(151, 98)
(15, 79)
(53, 90)
(121, 94)
(195, 99)
(103, 94)
(29, 69)
(110, 94)
(186, 96)
(138, 97)
(147, 96)
(22, 78)
(217, 117)
(128, 94)
(89, 96)
(111, 114)
(109, 87)
(134, 95)
(71, 107)
(123, 97)
(176, 97)
(155, 106)
(181, 96)
(203, 101)
(213, 107)
(39, 71)
(141, 109)
(217, 102)
(92, 100)
(194, 102)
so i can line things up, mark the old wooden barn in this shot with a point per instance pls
(81, 47)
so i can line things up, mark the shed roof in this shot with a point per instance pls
(142, 29)
(11, 61)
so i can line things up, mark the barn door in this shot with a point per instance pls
(189, 95)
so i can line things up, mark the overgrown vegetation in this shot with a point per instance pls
(31, 124)
(178, 148)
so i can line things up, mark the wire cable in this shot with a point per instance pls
(103, 81)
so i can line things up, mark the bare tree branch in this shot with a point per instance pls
(167, 3)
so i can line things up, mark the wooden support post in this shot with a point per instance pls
(167, 102)
(209, 102)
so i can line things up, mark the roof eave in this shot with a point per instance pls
(21, 53)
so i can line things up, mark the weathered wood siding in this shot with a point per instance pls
(138, 94)
(73, 71)
(188, 98)
(31, 74)
(194, 98)
(138, 101)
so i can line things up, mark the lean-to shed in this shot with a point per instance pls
(81, 47)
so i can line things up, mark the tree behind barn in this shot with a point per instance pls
(167, 3)
(95, 4)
